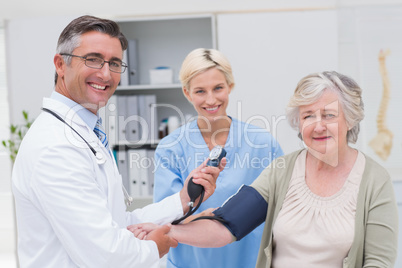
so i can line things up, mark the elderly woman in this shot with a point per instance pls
(328, 205)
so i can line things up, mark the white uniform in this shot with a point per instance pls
(70, 209)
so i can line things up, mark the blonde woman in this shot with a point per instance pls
(207, 81)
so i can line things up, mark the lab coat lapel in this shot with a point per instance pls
(107, 171)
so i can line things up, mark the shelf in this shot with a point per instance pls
(135, 145)
(163, 17)
(148, 87)
(166, 42)
(140, 202)
(159, 41)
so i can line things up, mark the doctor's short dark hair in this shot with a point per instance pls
(70, 37)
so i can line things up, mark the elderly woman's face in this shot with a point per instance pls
(323, 125)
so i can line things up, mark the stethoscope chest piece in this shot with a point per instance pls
(100, 158)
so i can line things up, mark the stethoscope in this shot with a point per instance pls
(100, 158)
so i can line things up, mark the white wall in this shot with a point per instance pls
(34, 78)
(268, 61)
(5, 166)
(39, 8)
(363, 33)
(7, 230)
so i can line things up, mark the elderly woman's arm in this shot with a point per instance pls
(380, 249)
(241, 214)
(202, 233)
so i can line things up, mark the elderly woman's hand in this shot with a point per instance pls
(141, 230)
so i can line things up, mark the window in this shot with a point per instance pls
(5, 163)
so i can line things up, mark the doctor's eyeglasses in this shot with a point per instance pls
(95, 62)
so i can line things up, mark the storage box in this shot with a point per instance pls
(161, 75)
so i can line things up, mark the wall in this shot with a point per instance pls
(40, 8)
(4, 119)
(27, 8)
(363, 33)
(268, 61)
(33, 80)
(6, 206)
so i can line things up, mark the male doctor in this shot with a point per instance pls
(68, 192)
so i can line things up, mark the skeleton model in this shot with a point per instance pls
(382, 142)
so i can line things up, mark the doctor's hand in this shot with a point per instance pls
(156, 233)
(141, 230)
(205, 176)
(162, 240)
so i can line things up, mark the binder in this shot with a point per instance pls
(132, 54)
(149, 120)
(151, 171)
(143, 171)
(132, 119)
(134, 166)
(121, 115)
(124, 77)
(122, 165)
(110, 124)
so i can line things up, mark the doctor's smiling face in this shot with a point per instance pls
(87, 86)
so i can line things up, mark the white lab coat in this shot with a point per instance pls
(70, 209)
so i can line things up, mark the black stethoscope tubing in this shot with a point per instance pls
(98, 156)
(62, 120)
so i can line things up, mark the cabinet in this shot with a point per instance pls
(159, 41)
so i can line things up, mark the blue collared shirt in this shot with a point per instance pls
(86, 115)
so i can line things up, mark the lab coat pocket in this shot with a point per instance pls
(101, 179)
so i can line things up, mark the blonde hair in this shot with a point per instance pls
(311, 88)
(200, 60)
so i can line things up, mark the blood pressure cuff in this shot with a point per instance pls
(243, 212)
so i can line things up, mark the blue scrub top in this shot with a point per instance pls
(249, 149)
